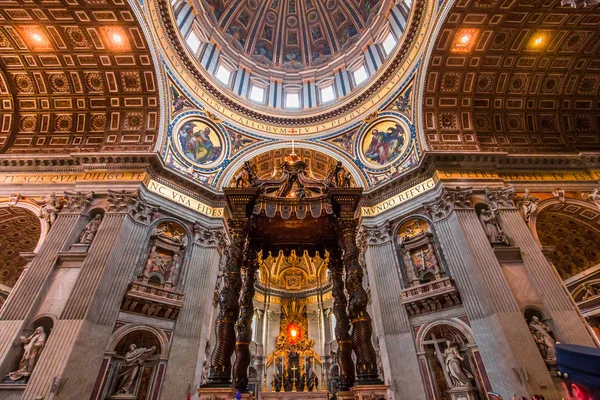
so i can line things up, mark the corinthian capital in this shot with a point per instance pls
(501, 197)
(119, 200)
(77, 201)
(141, 210)
(374, 235)
(207, 237)
(450, 199)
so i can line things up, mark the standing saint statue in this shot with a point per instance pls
(491, 226)
(134, 359)
(89, 232)
(542, 334)
(32, 349)
(459, 376)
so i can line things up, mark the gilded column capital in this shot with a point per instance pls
(77, 202)
(141, 210)
(501, 197)
(118, 201)
(450, 199)
(374, 235)
(207, 237)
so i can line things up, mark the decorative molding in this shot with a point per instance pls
(528, 204)
(208, 237)
(141, 210)
(77, 202)
(592, 197)
(501, 197)
(14, 199)
(448, 201)
(119, 200)
(374, 235)
(559, 194)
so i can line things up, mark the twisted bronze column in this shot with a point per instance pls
(243, 326)
(342, 324)
(362, 329)
(219, 374)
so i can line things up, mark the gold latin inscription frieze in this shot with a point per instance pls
(541, 176)
(67, 178)
(178, 197)
(400, 198)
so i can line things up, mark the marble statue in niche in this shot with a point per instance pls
(167, 249)
(419, 255)
(459, 376)
(32, 348)
(452, 363)
(89, 232)
(133, 362)
(491, 225)
(543, 337)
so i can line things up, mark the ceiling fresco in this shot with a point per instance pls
(195, 82)
(520, 77)
(292, 35)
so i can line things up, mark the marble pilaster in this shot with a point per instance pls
(510, 356)
(187, 337)
(19, 304)
(552, 294)
(398, 352)
(95, 305)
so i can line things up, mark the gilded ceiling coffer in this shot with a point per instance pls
(243, 326)
(342, 325)
(362, 328)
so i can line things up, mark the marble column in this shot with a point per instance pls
(243, 326)
(23, 298)
(88, 318)
(556, 301)
(511, 358)
(342, 322)
(199, 286)
(219, 374)
(362, 326)
(396, 343)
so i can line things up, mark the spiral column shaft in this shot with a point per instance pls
(243, 326)
(362, 328)
(219, 374)
(342, 324)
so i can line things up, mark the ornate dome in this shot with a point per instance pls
(292, 35)
(303, 58)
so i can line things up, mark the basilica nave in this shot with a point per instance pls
(297, 199)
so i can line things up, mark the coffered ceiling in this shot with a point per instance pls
(75, 75)
(517, 76)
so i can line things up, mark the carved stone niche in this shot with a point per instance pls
(429, 289)
(152, 293)
(419, 254)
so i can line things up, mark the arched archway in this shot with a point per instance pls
(131, 345)
(450, 361)
(20, 232)
(571, 234)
